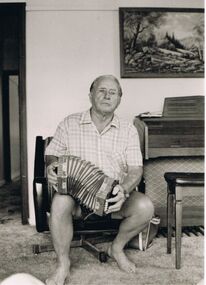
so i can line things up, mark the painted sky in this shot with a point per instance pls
(181, 24)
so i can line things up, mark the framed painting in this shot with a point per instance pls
(161, 42)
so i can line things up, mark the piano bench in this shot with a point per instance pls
(180, 184)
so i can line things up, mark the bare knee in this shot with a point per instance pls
(141, 206)
(62, 205)
(146, 207)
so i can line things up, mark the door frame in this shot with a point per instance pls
(6, 124)
(23, 115)
(20, 8)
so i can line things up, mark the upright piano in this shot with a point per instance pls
(173, 141)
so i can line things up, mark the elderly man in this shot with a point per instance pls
(112, 144)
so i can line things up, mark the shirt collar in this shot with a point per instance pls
(115, 121)
(86, 119)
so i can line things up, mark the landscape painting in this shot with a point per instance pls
(161, 42)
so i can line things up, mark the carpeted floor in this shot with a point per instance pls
(10, 201)
(154, 265)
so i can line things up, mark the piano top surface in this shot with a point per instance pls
(158, 119)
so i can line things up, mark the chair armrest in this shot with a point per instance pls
(40, 194)
(41, 180)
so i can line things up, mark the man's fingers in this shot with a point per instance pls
(51, 174)
(55, 187)
(52, 180)
(52, 177)
(51, 171)
(55, 163)
(119, 196)
(52, 166)
(112, 200)
(114, 208)
(115, 190)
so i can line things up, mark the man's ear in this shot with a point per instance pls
(90, 97)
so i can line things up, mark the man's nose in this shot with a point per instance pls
(107, 94)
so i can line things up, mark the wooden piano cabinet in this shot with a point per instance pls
(163, 137)
(171, 143)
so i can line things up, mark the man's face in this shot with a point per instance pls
(105, 96)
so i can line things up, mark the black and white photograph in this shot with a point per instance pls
(162, 42)
(102, 142)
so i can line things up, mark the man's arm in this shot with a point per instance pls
(132, 179)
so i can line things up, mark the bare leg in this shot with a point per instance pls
(61, 227)
(137, 211)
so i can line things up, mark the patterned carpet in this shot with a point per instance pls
(10, 201)
(154, 266)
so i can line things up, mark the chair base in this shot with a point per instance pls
(87, 243)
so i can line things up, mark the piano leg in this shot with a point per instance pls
(170, 200)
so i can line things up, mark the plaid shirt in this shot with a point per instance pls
(112, 150)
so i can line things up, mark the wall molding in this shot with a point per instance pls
(106, 5)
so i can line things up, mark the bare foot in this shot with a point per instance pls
(123, 262)
(60, 275)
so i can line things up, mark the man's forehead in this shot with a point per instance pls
(107, 81)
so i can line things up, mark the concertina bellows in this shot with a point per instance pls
(85, 182)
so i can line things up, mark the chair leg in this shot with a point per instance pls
(40, 248)
(178, 237)
(170, 200)
(99, 254)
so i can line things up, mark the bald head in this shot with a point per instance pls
(102, 77)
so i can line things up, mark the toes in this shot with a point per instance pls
(130, 268)
(133, 269)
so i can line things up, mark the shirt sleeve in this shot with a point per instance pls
(57, 146)
(133, 151)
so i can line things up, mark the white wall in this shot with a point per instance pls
(68, 44)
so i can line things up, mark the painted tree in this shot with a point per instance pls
(174, 41)
(198, 32)
(137, 22)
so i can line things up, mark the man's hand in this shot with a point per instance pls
(51, 174)
(118, 200)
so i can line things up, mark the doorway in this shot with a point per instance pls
(13, 142)
(11, 134)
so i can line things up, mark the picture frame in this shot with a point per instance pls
(161, 42)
